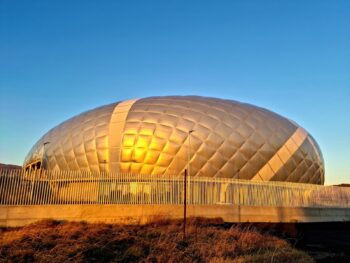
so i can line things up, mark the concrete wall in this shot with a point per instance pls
(140, 214)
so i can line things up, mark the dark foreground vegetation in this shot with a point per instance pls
(325, 242)
(161, 241)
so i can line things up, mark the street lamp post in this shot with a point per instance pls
(44, 154)
(37, 171)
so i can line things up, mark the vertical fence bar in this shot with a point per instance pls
(11, 186)
(47, 176)
(77, 185)
(19, 188)
(14, 188)
(64, 183)
(56, 197)
(89, 193)
(9, 195)
(6, 187)
(43, 186)
(71, 185)
(2, 187)
(38, 188)
(62, 179)
(60, 175)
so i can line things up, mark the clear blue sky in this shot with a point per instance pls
(59, 58)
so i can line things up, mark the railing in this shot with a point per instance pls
(41, 187)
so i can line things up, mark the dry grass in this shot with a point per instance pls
(161, 241)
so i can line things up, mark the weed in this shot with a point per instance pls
(208, 240)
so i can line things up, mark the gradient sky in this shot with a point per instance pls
(59, 58)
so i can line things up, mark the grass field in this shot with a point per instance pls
(160, 241)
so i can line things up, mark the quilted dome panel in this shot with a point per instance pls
(165, 135)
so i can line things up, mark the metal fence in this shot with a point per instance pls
(42, 187)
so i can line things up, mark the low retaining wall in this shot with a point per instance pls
(141, 214)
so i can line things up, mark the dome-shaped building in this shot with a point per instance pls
(165, 135)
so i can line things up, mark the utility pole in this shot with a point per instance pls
(239, 197)
(185, 201)
(185, 180)
(188, 162)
